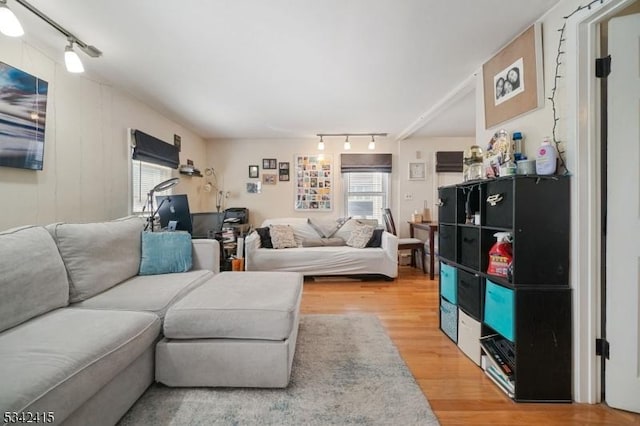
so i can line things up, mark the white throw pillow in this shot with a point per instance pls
(360, 236)
(282, 236)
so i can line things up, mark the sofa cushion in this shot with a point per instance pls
(323, 242)
(165, 252)
(151, 293)
(62, 358)
(360, 236)
(300, 225)
(99, 255)
(32, 276)
(265, 237)
(376, 238)
(282, 236)
(247, 305)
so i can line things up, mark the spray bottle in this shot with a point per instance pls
(501, 255)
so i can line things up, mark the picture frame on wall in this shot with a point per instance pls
(269, 163)
(254, 171)
(283, 171)
(513, 78)
(417, 170)
(313, 177)
(269, 178)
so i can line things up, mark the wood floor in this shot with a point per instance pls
(458, 391)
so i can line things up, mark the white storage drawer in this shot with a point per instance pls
(469, 336)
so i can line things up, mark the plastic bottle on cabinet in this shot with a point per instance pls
(546, 158)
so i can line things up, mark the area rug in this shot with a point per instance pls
(346, 370)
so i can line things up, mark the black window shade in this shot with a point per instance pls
(449, 161)
(354, 163)
(152, 150)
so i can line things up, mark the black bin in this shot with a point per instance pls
(469, 247)
(447, 242)
(470, 294)
(447, 204)
(499, 203)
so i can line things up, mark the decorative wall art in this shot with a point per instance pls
(314, 182)
(283, 171)
(269, 178)
(254, 187)
(417, 170)
(254, 170)
(23, 102)
(269, 163)
(513, 78)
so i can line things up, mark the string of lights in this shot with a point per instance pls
(557, 76)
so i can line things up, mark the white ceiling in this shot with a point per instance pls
(290, 68)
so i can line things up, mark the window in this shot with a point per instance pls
(144, 177)
(366, 194)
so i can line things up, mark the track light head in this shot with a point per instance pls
(372, 144)
(347, 144)
(321, 144)
(72, 60)
(9, 24)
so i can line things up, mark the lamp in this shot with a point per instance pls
(9, 24)
(72, 60)
(372, 144)
(162, 186)
(347, 144)
(321, 144)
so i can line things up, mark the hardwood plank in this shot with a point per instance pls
(457, 389)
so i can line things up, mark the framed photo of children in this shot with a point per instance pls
(314, 182)
(513, 78)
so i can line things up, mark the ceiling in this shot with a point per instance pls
(291, 68)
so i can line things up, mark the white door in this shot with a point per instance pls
(622, 371)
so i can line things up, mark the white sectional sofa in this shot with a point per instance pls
(322, 260)
(78, 326)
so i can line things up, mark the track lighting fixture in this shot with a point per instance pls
(9, 24)
(321, 144)
(347, 144)
(72, 60)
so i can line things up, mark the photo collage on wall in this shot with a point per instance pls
(314, 182)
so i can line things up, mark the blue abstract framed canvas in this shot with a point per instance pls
(23, 109)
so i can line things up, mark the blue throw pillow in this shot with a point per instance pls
(165, 253)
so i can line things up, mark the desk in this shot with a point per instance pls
(432, 228)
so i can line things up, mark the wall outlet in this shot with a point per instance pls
(408, 197)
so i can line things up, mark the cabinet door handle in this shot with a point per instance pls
(440, 202)
(468, 240)
(494, 199)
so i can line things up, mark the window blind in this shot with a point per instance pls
(365, 163)
(144, 177)
(152, 150)
(449, 161)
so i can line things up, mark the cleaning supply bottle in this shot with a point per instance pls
(501, 255)
(546, 158)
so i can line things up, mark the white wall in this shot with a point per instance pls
(537, 124)
(231, 159)
(86, 164)
(424, 150)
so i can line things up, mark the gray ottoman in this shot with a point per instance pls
(238, 329)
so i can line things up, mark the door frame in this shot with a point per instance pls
(584, 159)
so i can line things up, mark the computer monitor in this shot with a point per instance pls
(174, 208)
(205, 225)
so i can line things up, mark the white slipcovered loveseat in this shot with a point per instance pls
(314, 254)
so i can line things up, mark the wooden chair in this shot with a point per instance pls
(415, 245)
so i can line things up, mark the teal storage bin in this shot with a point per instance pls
(499, 309)
(449, 283)
(449, 319)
